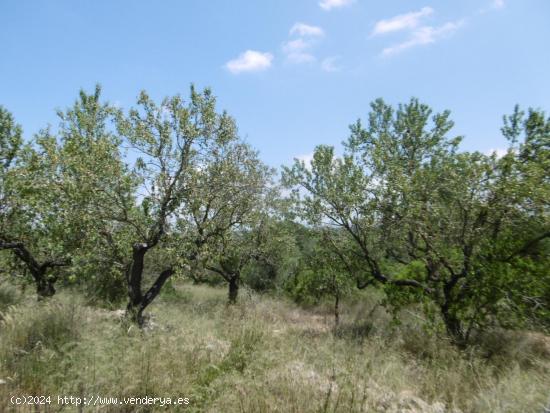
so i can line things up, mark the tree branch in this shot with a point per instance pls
(527, 246)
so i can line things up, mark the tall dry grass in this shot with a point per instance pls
(263, 355)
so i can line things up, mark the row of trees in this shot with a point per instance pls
(121, 201)
(109, 187)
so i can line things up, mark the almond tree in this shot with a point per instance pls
(171, 142)
(428, 223)
(99, 189)
(32, 212)
(227, 204)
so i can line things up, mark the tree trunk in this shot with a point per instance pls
(44, 286)
(136, 273)
(233, 289)
(454, 328)
(134, 313)
(137, 300)
(154, 290)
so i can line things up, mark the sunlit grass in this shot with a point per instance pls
(263, 354)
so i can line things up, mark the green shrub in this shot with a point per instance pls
(106, 288)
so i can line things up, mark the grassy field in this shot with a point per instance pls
(261, 355)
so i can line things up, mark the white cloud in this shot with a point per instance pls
(498, 4)
(334, 4)
(250, 61)
(297, 50)
(424, 35)
(299, 58)
(302, 29)
(297, 45)
(329, 64)
(401, 22)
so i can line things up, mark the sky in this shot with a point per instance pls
(293, 73)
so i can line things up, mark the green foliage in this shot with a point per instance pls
(323, 276)
(11, 139)
(226, 221)
(463, 235)
(106, 287)
(33, 211)
(304, 287)
(434, 225)
(276, 252)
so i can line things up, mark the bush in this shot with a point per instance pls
(107, 287)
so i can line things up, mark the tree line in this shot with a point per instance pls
(118, 202)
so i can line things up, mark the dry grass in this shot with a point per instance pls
(262, 355)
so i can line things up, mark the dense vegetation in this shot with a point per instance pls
(120, 207)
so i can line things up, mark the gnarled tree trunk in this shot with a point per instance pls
(454, 327)
(137, 301)
(44, 284)
(233, 288)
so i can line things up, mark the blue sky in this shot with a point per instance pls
(294, 73)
